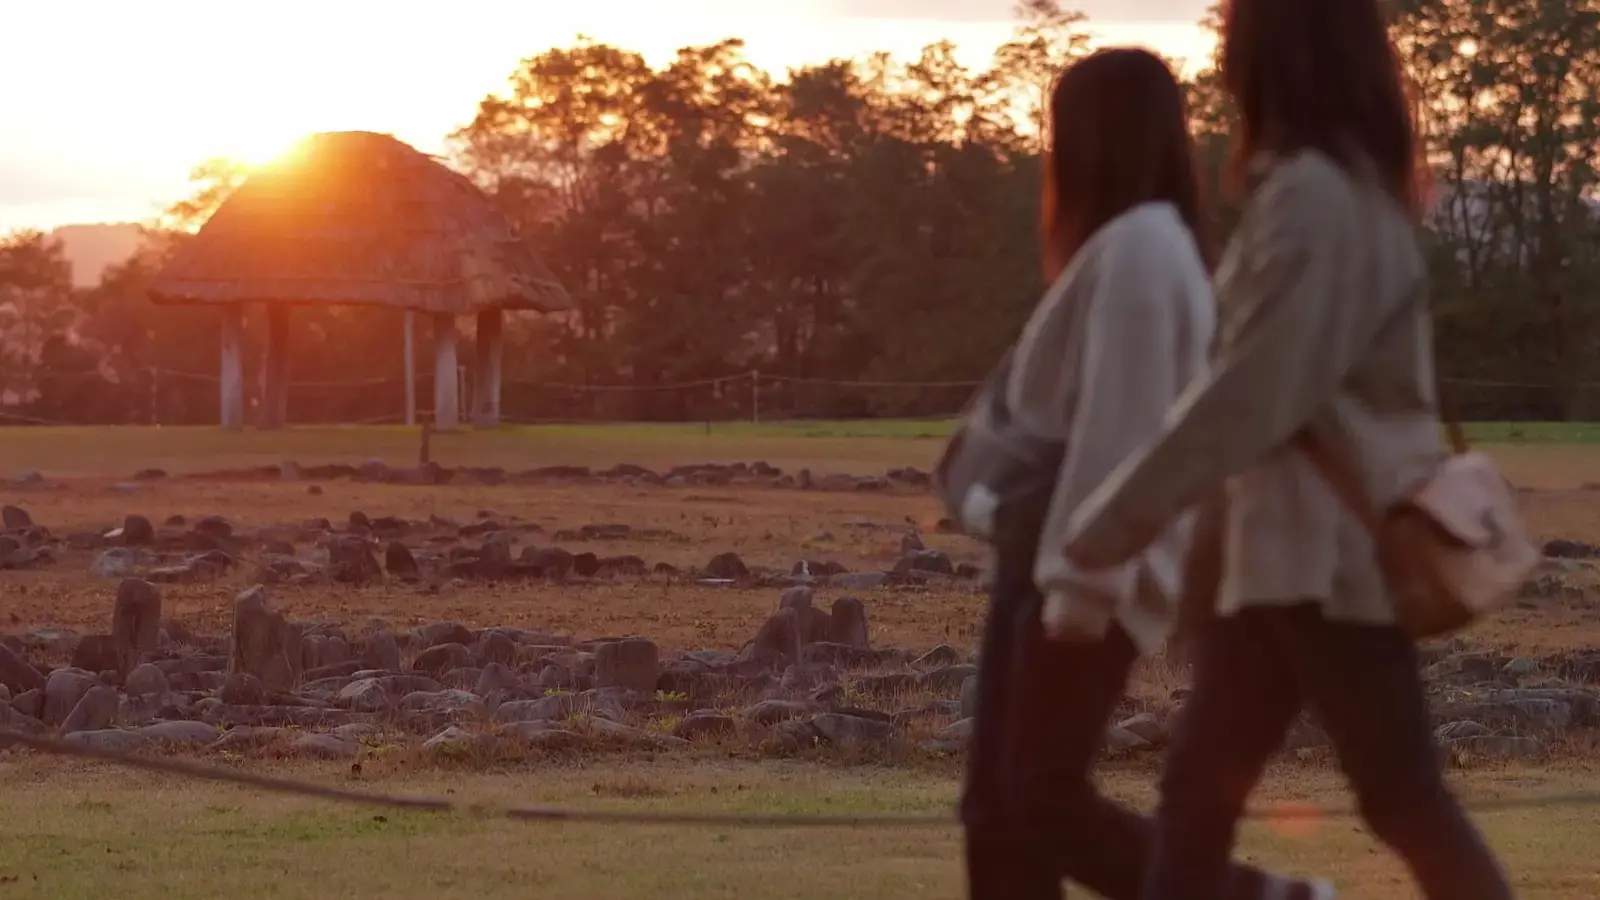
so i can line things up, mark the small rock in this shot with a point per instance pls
(325, 746)
(96, 710)
(15, 518)
(146, 681)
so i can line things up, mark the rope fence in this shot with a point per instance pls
(160, 396)
(201, 771)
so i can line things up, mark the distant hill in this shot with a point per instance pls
(91, 248)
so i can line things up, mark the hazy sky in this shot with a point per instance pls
(109, 104)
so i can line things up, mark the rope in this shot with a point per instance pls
(1277, 813)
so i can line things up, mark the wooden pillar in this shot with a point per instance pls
(411, 367)
(486, 387)
(230, 379)
(446, 401)
(275, 372)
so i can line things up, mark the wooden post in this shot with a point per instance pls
(446, 400)
(486, 387)
(411, 367)
(230, 381)
(275, 394)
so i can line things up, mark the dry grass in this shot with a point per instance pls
(68, 831)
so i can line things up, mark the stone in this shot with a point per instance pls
(95, 710)
(95, 653)
(1148, 727)
(181, 732)
(114, 740)
(263, 643)
(969, 697)
(351, 561)
(15, 518)
(633, 664)
(847, 730)
(442, 658)
(325, 746)
(848, 623)
(771, 712)
(146, 681)
(497, 647)
(726, 566)
(777, 641)
(135, 623)
(137, 531)
(17, 674)
(242, 689)
(400, 562)
(62, 691)
(705, 724)
(381, 651)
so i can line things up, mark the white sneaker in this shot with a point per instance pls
(1322, 890)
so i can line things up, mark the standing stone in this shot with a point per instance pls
(400, 562)
(777, 640)
(633, 664)
(135, 623)
(262, 642)
(848, 622)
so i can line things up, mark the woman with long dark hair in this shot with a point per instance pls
(1124, 327)
(1324, 337)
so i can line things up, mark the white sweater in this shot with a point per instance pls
(1139, 291)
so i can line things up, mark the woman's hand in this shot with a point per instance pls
(1094, 557)
(1075, 618)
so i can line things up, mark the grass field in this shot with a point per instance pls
(70, 830)
(1530, 449)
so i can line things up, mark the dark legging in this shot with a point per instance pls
(1032, 816)
(1253, 672)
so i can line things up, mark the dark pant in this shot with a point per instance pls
(1032, 816)
(1253, 672)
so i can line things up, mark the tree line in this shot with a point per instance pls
(869, 220)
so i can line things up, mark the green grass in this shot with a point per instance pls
(825, 446)
(69, 832)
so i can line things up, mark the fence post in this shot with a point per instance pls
(755, 397)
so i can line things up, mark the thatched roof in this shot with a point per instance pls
(354, 217)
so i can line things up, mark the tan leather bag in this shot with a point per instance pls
(1455, 549)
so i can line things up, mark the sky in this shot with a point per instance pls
(109, 104)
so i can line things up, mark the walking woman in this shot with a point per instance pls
(1324, 333)
(1125, 327)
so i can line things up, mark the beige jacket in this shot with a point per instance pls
(1112, 345)
(1321, 324)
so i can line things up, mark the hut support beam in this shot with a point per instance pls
(411, 367)
(491, 334)
(446, 393)
(275, 396)
(230, 380)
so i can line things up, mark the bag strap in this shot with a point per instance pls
(1341, 476)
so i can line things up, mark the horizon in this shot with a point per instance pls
(170, 97)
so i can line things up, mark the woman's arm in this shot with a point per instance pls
(1148, 293)
(1298, 328)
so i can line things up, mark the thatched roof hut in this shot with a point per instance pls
(357, 218)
